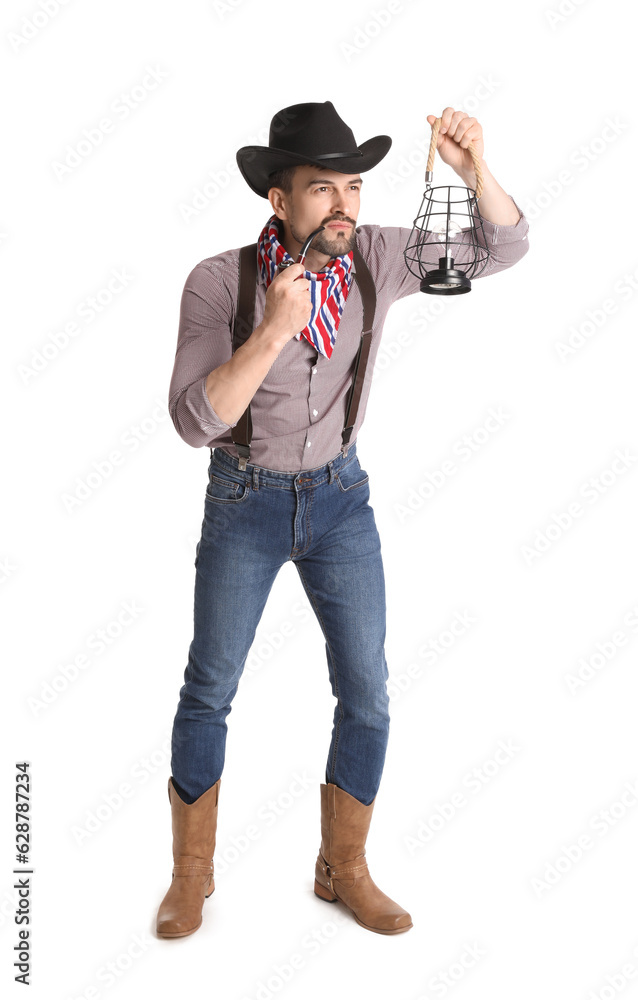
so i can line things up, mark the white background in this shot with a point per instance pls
(545, 86)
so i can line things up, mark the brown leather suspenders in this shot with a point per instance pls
(243, 327)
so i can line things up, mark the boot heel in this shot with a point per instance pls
(323, 893)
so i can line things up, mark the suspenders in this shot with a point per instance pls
(243, 430)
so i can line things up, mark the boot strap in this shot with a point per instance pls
(194, 869)
(356, 868)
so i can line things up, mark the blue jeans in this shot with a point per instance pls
(254, 522)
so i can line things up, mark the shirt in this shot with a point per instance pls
(299, 409)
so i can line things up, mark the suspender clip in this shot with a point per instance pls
(243, 453)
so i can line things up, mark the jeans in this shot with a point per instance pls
(254, 522)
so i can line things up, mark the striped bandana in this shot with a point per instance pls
(328, 289)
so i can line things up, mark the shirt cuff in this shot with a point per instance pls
(207, 414)
(496, 232)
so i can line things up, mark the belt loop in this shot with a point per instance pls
(255, 477)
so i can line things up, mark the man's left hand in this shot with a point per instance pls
(456, 132)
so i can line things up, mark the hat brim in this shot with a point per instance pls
(257, 162)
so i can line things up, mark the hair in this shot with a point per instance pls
(282, 179)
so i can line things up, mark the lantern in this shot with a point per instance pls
(448, 219)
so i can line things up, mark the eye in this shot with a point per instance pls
(324, 187)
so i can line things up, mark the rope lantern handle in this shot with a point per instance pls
(471, 150)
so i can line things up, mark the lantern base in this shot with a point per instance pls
(446, 281)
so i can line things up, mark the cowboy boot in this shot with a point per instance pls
(194, 831)
(341, 871)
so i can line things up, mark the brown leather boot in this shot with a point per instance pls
(194, 831)
(341, 871)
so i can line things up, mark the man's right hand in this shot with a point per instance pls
(288, 305)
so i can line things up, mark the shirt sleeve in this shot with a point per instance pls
(204, 343)
(506, 244)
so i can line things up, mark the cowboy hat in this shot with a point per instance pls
(308, 133)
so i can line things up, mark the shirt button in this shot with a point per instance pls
(314, 370)
(315, 412)
(309, 444)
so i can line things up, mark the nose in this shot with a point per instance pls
(341, 206)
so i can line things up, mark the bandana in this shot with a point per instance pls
(328, 288)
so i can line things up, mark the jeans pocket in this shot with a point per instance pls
(223, 487)
(351, 475)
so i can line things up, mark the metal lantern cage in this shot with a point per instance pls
(447, 221)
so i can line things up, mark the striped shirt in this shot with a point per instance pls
(299, 409)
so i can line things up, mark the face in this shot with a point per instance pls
(320, 197)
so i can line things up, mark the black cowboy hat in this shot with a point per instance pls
(309, 133)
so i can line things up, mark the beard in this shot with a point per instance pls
(334, 244)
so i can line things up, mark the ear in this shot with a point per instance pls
(274, 197)
(276, 201)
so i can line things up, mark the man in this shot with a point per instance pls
(297, 492)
